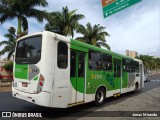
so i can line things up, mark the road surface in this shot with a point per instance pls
(9, 103)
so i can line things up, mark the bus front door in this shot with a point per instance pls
(117, 75)
(77, 76)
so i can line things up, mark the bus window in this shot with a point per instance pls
(118, 69)
(106, 61)
(123, 64)
(127, 65)
(73, 64)
(131, 65)
(95, 60)
(29, 50)
(62, 56)
(115, 69)
(136, 67)
(81, 64)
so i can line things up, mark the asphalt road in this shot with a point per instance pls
(8, 103)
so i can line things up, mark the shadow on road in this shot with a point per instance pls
(80, 110)
(72, 112)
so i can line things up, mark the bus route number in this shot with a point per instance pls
(96, 76)
(34, 70)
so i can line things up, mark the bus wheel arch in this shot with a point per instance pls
(100, 95)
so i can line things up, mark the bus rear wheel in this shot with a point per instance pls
(100, 96)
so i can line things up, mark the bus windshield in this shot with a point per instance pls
(29, 50)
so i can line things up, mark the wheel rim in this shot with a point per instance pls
(100, 96)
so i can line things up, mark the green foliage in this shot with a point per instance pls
(10, 43)
(65, 22)
(94, 35)
(150, 63)
(8, 67)
(21, 9)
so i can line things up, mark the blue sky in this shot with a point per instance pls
(135, 28)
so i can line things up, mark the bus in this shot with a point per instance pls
(55, 71)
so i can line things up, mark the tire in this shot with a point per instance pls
(100, 97)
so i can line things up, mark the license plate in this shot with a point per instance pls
(24, 84)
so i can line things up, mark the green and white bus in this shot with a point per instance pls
(55, 71)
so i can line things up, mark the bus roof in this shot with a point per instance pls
(88, 46)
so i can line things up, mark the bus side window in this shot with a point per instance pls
(115, 69)
(81, 65)
(137, 67)
(94, 60)
(106, 61)
(62, 56)
(118, 69)
(123, 65)
(128, 65)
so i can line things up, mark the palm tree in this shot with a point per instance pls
(21, 9)
(93, 35)
(10, 43)
(64, 22)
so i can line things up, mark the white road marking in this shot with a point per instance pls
(155, 80)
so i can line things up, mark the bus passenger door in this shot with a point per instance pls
(77, 76)
(117, 75)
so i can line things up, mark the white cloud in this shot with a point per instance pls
(135, 28)
(138, 31)
(35, 26)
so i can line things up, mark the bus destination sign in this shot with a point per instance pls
(112, 6)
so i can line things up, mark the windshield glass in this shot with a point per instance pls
(29, 49)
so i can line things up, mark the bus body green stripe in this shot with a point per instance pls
(94, 79)
(21, 71)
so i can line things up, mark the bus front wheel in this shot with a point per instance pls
(100, 96)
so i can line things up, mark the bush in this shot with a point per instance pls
(8, 67)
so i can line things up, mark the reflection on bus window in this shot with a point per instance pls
(130, 66)
(81, 64)
(95, 60)
(106, 61)
(29, 48)
(62, 57)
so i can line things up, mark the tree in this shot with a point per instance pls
(10, 43)
(150, 63)
(64, 22)
(9, 67)
(93, 35)
(21, 9)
